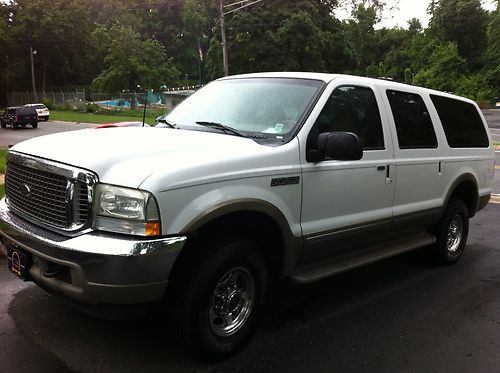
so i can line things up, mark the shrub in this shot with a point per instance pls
(91, 108)
(49, 103)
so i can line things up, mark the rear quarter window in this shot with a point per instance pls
(461, 122)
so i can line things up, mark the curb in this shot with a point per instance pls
(495, 198)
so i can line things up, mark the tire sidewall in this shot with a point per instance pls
(236, 253)
(456, 207)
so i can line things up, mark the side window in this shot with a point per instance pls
(413, 122)
(462, 124)
(353, 109)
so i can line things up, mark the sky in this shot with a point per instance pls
(404, 10)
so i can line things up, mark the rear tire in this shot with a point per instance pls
(218, 299)
(451, 233)
(34, 124)
(3, 125)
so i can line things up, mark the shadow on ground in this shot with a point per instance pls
(402, 314)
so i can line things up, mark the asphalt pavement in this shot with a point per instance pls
(400, 315)
(8, 136)
(492, 116)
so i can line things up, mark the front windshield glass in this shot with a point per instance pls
(271, 106)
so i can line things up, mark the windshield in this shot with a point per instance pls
(270, 106)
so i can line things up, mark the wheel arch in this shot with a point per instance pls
(255, 220)
(466, 189)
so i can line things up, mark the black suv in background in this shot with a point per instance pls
(19, 116)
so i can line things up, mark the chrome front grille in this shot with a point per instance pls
(37, 193)
(48, 193)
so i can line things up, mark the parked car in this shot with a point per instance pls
(19, 117)
(42, 111)
(252, 178)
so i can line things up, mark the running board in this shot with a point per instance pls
(317, 271)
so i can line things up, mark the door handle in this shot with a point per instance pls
(380, 168)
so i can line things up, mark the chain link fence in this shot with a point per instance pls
(166, 100)
(68, 100)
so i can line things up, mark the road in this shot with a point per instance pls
(493, 119)
(399, 315)
(402, 314)
(8, 136)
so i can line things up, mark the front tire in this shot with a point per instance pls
(219, 298)
(451, 233)
(34, 124)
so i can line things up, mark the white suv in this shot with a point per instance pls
(42, 111)
(253, 177)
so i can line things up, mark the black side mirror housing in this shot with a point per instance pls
(340, 146)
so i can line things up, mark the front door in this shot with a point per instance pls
(346, 198)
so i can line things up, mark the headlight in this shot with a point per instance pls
(125, 210)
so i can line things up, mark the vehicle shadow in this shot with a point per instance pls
(323, 326)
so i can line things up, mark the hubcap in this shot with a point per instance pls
(232, 302)
(455, 231)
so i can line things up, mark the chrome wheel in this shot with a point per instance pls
(455, 232)
(232, 302)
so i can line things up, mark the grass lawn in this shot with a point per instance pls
(73, 116)
(2, 160)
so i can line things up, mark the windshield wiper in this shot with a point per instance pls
(222, 127)
(167, 122)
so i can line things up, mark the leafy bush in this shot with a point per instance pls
(91, 108)
(49, 103)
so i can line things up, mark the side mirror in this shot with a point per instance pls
(340, 146)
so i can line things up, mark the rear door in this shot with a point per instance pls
(419, 157)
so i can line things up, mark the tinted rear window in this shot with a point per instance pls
(25, 110)
(413, 123)
(462, 123)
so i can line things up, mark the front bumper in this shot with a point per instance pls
(93, 268)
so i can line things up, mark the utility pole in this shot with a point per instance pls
(223, 36)
(237, 5)
(33, 74)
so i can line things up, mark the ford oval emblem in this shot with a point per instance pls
(25, 190)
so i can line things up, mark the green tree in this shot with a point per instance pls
(463, 22)
(295, 36)
(59, 30)
(131, 61)
(492, 68)
(446, 69)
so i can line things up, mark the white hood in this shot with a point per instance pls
(128, 156)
